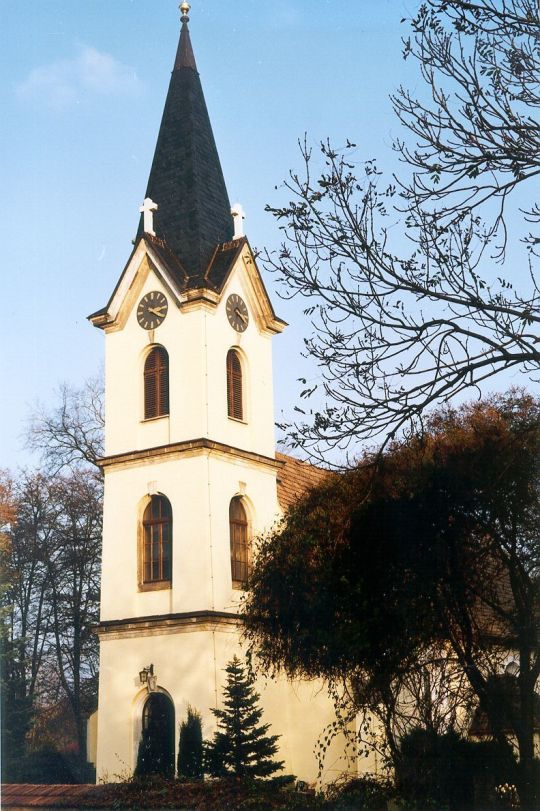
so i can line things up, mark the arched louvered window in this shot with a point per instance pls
(239, 534)
(157, 540)
(234, 386)
(156, 383)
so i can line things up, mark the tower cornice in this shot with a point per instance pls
(158, 625)
(191, 446)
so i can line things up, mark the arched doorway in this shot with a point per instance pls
(156, 747)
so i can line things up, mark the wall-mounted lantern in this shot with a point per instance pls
(146, 676)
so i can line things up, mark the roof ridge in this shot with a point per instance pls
(301, 461)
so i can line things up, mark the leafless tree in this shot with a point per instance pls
(404, 280)
(51, 554)
(73, 581)
(31, 537)
(71, 433)
(478, 138)
(51, 599)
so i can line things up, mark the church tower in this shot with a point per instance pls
(191, 474)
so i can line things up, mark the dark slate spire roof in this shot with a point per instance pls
(186, 180)
(184, 55)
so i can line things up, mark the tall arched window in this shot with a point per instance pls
(157, 541)
(234, 386)
(238, 526)
(156, 383)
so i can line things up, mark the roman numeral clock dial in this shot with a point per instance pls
(152, 310)
(237, 313)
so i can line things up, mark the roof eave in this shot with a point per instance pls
(100, 319)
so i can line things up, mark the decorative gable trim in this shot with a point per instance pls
(109, 316)
(269, 320)
(187, 295)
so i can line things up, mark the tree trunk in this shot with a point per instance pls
(527, 790)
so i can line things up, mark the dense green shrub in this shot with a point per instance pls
(190, 746)
(46, 765)
(153, 756)
(448, 771)
(228, 794)
(366, 793)
(435, 770)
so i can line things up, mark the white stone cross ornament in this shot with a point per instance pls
(148, 208)
(238, 218)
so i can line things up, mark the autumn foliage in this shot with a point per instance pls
(433, 545)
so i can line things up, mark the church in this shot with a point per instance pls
(191, 471)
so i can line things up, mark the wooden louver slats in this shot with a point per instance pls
(234, 386)
(156, 383)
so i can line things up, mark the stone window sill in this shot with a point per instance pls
(153, 419)
(155, 585)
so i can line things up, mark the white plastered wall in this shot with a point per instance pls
(200, 486)
(190, 668)
(197, 339)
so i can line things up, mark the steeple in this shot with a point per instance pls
(186, 181)
(184, 54)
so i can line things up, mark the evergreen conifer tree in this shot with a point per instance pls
(153, 756)
(240, 745)
(190, 746)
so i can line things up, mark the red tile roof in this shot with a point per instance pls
(295, 479)
(29, 795)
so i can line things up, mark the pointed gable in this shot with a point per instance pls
(186, 180)
(190, 291)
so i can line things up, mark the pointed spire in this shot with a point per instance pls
(186, 180)
(184, 55)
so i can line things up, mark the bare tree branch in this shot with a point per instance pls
(72, 432)
(399, 329)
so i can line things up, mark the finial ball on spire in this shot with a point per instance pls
(185, 8)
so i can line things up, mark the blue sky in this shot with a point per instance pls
(83, 88)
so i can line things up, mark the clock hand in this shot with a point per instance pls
(240, 315)
(156, 310)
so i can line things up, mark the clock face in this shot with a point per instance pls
(152, 310)
(237, 313)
